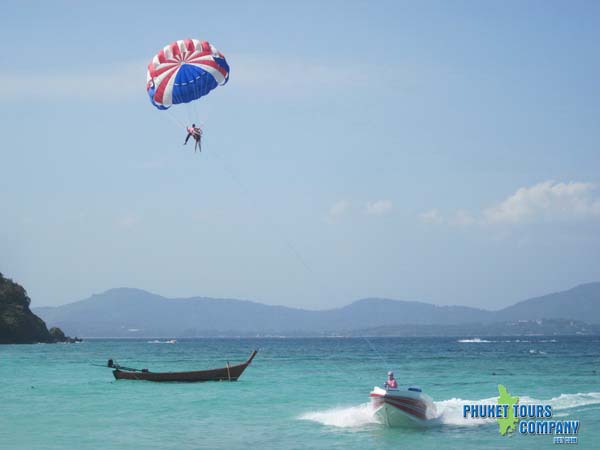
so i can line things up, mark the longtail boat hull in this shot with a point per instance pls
(229, 373)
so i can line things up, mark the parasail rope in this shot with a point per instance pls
(289, 244)
(175, 120)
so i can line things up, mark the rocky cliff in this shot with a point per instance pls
(18, 325)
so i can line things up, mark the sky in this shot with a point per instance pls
(446, 152)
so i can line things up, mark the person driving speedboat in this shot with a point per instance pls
(391, 382)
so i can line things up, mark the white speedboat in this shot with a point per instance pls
(402, 406)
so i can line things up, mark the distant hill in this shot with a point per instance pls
(580, 303)
(134, 312)
(126, 312)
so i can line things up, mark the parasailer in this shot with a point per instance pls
(183, 72)
(196, 132)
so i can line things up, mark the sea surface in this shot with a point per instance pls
(297, 394)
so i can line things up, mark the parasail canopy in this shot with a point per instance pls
(185, 71)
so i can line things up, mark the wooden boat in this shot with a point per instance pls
(227, 373)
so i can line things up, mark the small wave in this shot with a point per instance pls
(170, 341)
(566, 401)
(450, 411)
(474, 341)
(348, 417)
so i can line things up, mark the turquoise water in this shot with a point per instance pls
(297, 394)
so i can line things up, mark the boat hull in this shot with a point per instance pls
(402, 408)
(231, 373)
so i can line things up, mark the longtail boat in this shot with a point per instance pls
(227, 373)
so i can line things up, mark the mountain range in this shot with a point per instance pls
(127, 312)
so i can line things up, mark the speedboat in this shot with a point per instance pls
(402, 406)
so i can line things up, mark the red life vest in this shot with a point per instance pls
(392, 384)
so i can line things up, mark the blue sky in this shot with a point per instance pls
(437, 151)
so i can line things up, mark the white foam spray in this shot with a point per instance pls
(343, 417)
(449, 412)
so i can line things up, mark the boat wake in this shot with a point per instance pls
(349, 417)
(170, 341)
(567, 401)
(533, 351)
(449, 411)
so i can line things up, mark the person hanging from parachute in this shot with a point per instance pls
(183, 72)
(196, 132)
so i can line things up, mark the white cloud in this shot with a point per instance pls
(547, 201)
(373, 208)
(543, 202)
(378, 207)
(431, 216)
(338, 209)
(461, 218)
